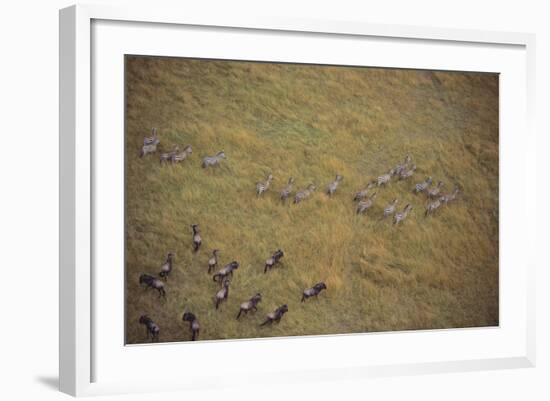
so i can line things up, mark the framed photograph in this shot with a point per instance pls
(308, 199)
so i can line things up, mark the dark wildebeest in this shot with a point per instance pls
(193, 324)
(251, 304)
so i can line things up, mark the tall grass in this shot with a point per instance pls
(311, 122)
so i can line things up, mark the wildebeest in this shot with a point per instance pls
(213, 261)
(197, 240)
(273, 260)
(223, 293)
(251, 304)
(152, 329)
(276, 315)
(313, 291)
(152, 282)
(193, 324)
(227, 270)
(166, 267)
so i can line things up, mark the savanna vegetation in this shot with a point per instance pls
(311, 123)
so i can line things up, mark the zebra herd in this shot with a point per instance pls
(364, 198)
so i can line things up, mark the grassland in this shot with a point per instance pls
(311, 122)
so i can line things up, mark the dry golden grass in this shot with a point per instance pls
(311, 122)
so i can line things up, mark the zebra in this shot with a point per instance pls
(285, 193)
(273, 260)
(262, 187)
(313, 291)
(197, 240)
(363, 205)
(194, 325)
(223, 293)
(181, 156)
(331, 188)
(432, 193)
(227, 270)
(213, 160)
(150, 143)
(422, 186)
(362, 194)
(152, 282)
(166, 267)
(449, 197)
(251, 304)
(384, 179)
(151, 328)
(432, 207)
(397, 170)
(276, 315)
(304, 193)
(167, 156)
(213, 261)
(390, 209)
(404, 174)
(400, 216)
(148, 140)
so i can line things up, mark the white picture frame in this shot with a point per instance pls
(86, 351)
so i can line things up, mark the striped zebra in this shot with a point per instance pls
(404, 174)
(384, 179)
(148, 140)
(422, 186)
(213, 160)
(432, 207)
(364, 205)
(150, 144)
(167, 156)
(434, 192)
(285, 193)
(397, 170)
(446, 198)
(178, 157)
(262, 187)
(331, 188)
(304, 193)
(400, 216)
(390, 209)
(362, 194)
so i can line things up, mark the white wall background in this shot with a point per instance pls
(29, 199)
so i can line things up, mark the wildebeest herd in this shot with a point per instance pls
(364, 200)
